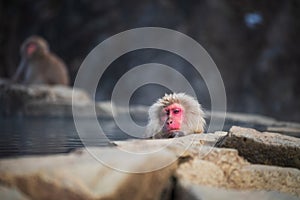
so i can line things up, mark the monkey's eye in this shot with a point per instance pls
(167, 112)
(176, 111)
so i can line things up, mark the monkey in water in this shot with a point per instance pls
(38, 65)
(175, 115)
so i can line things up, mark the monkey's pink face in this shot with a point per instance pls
(31, 48)
(172, 117)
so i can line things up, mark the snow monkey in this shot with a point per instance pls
(38, 65)
(175, 115)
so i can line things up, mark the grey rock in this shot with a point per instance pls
(185, 190)
(264, 147)
(38, 100)
(11, 194)
(264, 177)
(259, 122)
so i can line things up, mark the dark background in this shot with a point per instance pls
(254, 43)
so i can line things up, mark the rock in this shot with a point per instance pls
(43, 93)
(258, 122)
(190, 145)
(264, 147)
(37, 100)
(66, 109)
(201, 172)
(244, 118)
(224, 168)
(81, 176)
(190, 191)
(62, 94)
(11, 194)
(201, 164)
(226, 159)
(57, 101)
(210, 167)
(262, 177)
(107, 107)
(188, 167)
(291, 129)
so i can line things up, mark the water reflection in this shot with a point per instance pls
(27, 136)
(31, 136)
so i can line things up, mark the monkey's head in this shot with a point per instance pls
(176, 112)
(34, 45)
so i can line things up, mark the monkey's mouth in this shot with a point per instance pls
(171, 130)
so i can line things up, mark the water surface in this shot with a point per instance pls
(21, 136)
(38, 135)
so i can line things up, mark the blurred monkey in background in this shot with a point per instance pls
(38, 65)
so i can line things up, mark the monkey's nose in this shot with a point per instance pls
(169, 122)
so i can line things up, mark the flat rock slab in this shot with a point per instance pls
(81, 176)
(264, 177)
(20, 100)
(66, 109)
(186, 190)
(259, 122)
(264, 147)
(57, 101)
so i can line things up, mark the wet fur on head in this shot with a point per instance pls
(193, 114)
